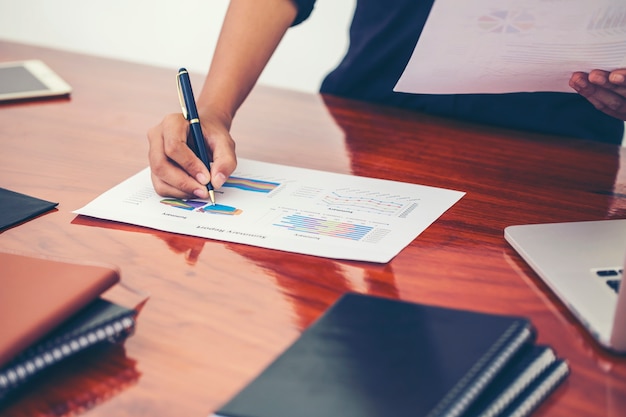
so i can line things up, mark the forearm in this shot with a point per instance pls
(251, 31)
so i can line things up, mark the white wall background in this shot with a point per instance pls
(176, 33)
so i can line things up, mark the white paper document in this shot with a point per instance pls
(504, 46)
(289, 209)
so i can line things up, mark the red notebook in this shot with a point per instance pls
(37, 294)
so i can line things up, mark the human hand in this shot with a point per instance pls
(175, 170)
(605, 90)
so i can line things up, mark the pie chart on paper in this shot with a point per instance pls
(505, 21)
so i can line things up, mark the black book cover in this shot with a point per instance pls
(17, 207)
(368, 356)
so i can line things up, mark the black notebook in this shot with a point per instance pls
(16, 208)
(530, 398)
(518, 380)
(372, 357)
(100, 322)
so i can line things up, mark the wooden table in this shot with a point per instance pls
(219, 312)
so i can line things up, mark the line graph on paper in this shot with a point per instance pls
(374, 202)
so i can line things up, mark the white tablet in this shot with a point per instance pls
(30, 79)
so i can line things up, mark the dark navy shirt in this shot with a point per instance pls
(383, 35)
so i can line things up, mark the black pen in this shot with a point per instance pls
(190, 112)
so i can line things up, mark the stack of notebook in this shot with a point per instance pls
(51, 309)
(374, 357)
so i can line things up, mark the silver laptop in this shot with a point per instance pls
(583, 263)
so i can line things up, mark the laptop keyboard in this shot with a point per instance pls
(612, 277)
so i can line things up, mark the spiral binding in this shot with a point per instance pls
(459, 406)
(16, 374)
(542, 391)
(537, 367)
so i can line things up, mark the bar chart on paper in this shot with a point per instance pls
(289, 209)
(324, 227)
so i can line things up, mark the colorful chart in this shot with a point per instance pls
(201, 206)
(299, 223)
(183, 204)
(248, 184)
(506, 21)
(220, 209)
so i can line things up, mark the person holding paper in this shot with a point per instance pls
(382, 38)
(605, 90)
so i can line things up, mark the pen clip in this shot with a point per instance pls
(181, 97)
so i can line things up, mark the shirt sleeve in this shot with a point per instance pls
(305, 7)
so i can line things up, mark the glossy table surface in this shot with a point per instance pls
(219, 312)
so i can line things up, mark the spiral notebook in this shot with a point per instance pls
(369, 356)
(530, 376)
(101, 322)
(39, 293)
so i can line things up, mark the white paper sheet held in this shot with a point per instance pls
(502, 46)
(289, 209)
